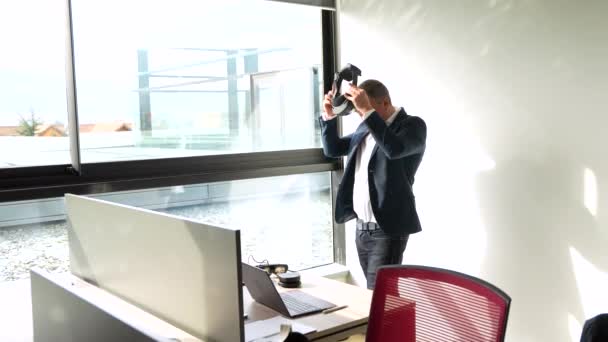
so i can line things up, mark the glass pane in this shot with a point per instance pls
(174, 78)
(283, 219)
(33, 114)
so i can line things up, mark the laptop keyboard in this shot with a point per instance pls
(298, 302)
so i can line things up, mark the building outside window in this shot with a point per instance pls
(33, 112)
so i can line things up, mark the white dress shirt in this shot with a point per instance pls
(361, 202)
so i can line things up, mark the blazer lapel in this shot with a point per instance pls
(359, 135)
(401, 116)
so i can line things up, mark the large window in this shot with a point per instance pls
(282, 219)
(158, 79)
(33, 114)
(200, 108)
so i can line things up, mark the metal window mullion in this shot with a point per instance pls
(339, 236)
(72, 103)
(88, 184)
(330, 61)
(45, 181)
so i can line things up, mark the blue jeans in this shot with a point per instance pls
(375, 249)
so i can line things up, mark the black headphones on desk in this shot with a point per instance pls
(289, 279)
(340, 104)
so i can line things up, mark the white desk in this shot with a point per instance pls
(329, 327)
(333, 326)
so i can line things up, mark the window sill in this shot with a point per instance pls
(332, 271)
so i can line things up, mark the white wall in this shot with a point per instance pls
(515, 96)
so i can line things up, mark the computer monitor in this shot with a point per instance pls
(183, 271)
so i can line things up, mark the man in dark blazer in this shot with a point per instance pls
(376, 189)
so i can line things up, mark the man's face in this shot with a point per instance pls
(382, 106)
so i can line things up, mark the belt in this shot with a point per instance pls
(367, 226)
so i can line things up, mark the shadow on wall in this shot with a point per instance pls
(528, 80)
(540, 82)
(534, 216)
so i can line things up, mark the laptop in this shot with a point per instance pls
(291, 304)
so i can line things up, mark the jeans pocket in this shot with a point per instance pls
(379, 234)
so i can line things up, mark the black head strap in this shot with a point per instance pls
(340, 104)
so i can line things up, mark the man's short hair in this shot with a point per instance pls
(375, 90)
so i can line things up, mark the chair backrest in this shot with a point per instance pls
(419, 303)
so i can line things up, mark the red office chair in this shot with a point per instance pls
(418, 303)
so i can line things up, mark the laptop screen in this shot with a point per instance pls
(262, 289)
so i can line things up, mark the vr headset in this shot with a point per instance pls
(340, 104)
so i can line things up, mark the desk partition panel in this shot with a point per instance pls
(63, 312)
(183, 271)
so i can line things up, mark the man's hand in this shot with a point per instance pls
(359, 99)
(328, 112)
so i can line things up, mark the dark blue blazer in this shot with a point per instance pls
(392, 167)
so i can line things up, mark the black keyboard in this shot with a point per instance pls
(298, 303)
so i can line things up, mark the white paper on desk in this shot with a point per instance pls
(268, 329)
